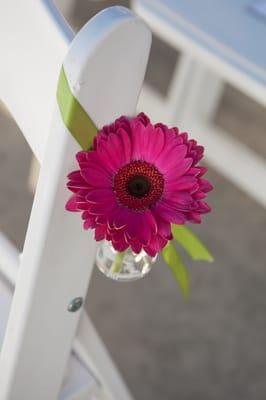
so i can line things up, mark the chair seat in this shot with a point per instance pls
(79, 382)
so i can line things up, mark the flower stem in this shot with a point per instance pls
(117, 264)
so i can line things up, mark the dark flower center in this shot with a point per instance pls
(138, 185)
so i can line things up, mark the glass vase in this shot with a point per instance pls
(124, 267)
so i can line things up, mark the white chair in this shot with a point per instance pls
(219, 41)
(104, 65)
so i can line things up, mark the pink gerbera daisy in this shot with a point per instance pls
(137, 180)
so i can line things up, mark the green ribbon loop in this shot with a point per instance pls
(73, 114)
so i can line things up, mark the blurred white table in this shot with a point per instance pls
(220, 41)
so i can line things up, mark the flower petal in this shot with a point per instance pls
(186, 182)
(180, 169)
(171, 157)
(126, 143)
(97, 178)
(156, 245)
(75, 176)
(136, 246)
(71, 204)
(100, 195)
(100, 232)
(169, 214)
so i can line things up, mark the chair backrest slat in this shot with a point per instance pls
(34, 40)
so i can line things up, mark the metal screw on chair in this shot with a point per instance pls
(75, 304)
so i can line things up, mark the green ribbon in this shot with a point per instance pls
(191, 243)
(177, 266)
(73, 114)
(195, 249)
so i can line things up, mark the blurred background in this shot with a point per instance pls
(212, 346)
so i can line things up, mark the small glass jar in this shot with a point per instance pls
(124, 267)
